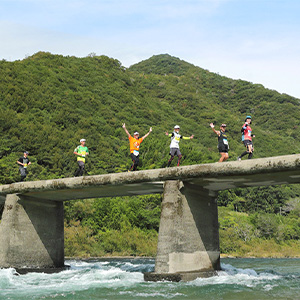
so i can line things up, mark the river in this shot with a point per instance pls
(114, 279)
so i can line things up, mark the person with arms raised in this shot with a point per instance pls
(134, 143)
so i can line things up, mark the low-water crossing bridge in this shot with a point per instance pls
(32, 225)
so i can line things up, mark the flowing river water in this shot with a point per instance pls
(240, 279)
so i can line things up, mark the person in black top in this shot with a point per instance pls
(222, 141)
(23, 163)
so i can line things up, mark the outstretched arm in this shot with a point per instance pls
(188, 137)
(214, 130)
(147, 133)
(124, 127)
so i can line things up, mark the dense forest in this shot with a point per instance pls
(48, 102)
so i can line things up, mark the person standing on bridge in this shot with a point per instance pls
(222, 141)
(174, 146)
(247, 136)
(81, 151)
(134, 143)
(23, 163)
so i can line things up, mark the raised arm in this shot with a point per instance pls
(244, 127)
(214, 130)
(124, 127)
(147, 133)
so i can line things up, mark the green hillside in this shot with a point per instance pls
(48, 102)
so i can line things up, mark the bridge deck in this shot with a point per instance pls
(213, 177)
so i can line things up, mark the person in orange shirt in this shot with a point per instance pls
(135, 142)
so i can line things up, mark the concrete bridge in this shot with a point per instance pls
(32, 226)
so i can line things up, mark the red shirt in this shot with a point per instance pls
(247, 132)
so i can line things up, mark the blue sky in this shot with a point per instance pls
(254, 40)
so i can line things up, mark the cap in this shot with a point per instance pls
(26, 152)
(82, 140)
(248, 117)
(176, 127)
(136, 133)
(223, 125)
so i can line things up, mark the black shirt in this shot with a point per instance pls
(23, 160)
(222, 140)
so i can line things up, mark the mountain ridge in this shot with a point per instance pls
(48, 102)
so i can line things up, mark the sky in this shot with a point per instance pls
(253, 40)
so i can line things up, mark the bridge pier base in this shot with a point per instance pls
(31, 234)
(188, 240)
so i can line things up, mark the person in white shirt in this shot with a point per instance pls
(174, 146)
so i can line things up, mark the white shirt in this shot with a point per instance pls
(175, 139)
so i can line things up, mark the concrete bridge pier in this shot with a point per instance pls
(31, 234)
(188, 240)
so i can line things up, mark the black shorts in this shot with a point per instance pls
(175, 151)
(223, 149)
(135, 158)
(247, 142)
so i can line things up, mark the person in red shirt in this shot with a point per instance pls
(135, 142)
(247, 136)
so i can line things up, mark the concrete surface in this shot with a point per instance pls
(212, 177)
(188, 239)
(176, 277)
(31, 234)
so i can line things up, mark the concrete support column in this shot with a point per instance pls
(188, 240)
(31, 234)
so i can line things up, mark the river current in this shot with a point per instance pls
(114, 279)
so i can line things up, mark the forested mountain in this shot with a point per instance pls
(48, 102)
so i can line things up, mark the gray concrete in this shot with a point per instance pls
(176, 277)
(31, 234)
(188, 233)
(211, 177)
(31, 230)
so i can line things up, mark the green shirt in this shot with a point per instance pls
(81, 150)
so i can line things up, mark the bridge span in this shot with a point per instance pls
(32, 226)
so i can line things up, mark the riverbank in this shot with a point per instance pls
(222, 255)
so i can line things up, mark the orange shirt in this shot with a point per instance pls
(134, 144)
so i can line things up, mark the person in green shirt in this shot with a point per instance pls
(81, 151)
